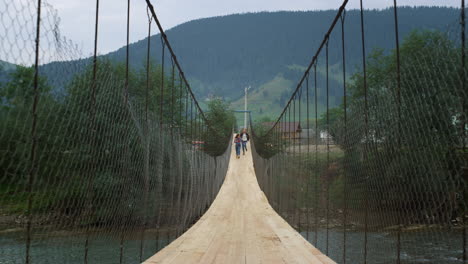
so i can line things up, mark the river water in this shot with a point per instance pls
(104, 249)
(426, 247)
(417, 247)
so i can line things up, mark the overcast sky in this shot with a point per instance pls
(77, 16)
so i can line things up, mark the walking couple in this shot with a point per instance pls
(241, 140)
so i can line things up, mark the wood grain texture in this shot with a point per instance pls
(240, 227)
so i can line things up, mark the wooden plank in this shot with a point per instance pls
(240, 227)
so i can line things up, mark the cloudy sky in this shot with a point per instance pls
(77, 16)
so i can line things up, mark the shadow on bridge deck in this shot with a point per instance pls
(240, 227)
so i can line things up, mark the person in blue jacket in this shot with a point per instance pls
(237, 141)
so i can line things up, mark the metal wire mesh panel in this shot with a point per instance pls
(382, 177)
(100, 162)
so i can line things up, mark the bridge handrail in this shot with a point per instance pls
(312, 62)
(181, 72)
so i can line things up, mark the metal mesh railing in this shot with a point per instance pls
(382, 177)
(100, 162)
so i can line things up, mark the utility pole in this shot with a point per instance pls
(245, 106)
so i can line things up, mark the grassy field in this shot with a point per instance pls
(269, 99)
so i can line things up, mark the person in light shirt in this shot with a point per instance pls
(244, 138)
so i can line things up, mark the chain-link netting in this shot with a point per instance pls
(381, 178)
(100, 162)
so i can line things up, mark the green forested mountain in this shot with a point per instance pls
(6, 66)
(222, 54)
(5, 69)
(269, 51)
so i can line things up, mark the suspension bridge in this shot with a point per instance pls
(105, 162)
(240, 227)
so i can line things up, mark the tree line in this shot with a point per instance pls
(402, 141)
(105, 123)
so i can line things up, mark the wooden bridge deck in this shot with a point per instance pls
(240, 227)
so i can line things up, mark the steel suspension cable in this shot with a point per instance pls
(161, 144)
(463, 118)
(316, 157)
(126, 129)
(294, 158)
(398, 101)
(308, 156)
(161, 92)
(288, 156)
(345, 193)
(92, 126)
(172, 96)
(327, 195)
(181, 106)
(172, 142)
(34, 141)
(366, 129)
(301, 162)
(147, 138)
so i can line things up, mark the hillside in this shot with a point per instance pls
(268, 99)
(5, 69)
(221, 55)
(6, 66)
